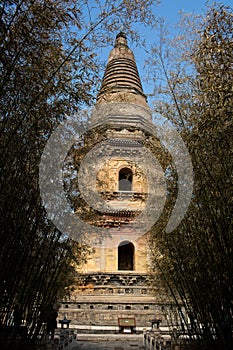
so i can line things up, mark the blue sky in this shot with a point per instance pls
(169, 10)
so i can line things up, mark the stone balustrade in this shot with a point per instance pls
(161, 339)
(64, 339)
(157, 340)
(67, 339)
(124, 195)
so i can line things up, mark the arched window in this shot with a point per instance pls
(125, 179)
(126, 256)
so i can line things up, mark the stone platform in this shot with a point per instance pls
(109, 342)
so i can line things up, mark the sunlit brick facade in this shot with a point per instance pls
(114, 281)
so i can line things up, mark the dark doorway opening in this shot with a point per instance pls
(126, 256)
(125, 179)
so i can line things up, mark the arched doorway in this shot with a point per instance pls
(126, 256)
(125, 179)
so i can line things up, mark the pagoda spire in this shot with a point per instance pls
(121, 81)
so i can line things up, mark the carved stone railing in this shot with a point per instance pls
(157, 339)
(124, 195)
(64, 339)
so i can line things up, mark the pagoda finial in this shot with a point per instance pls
(121, 82)
(121, 39)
